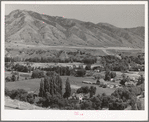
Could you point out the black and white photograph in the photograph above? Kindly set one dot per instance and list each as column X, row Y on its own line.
column 74, row 60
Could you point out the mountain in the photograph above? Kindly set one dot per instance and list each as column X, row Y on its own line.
column 31, row 28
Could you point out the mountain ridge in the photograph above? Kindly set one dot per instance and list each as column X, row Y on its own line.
column 32, row 28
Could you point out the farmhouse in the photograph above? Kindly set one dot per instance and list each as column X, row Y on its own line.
column 97, row 67
column 87, row 82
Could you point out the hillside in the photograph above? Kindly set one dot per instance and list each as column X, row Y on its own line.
column 11, row 104
column 31, row 28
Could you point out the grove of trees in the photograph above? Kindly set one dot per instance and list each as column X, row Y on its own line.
column 114, row 63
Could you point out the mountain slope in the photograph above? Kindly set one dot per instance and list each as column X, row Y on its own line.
column 31, row 28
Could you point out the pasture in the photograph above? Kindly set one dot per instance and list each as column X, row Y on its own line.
column 75, row 82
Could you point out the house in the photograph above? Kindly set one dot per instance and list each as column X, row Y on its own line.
column 87, row 82
column 130, row 83
column 97, row 67
column 80, row 96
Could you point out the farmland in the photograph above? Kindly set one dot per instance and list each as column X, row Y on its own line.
column 75, row 82
column 34, row 84
column 71, row 79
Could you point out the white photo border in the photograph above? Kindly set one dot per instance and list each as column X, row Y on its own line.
column 60, row 115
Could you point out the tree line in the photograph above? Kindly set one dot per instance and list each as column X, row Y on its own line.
column 124, row 63
column 86, row 60
column 50, row 95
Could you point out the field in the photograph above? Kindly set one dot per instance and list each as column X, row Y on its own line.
column 71, row 47
column 75, row 82
column 31, row 51
column 34, row 84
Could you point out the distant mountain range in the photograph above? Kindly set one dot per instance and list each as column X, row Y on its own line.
column 31, row 28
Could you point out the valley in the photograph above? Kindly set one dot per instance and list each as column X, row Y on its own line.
column 66, row 64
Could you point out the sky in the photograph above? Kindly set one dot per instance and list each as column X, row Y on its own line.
column 124, row 16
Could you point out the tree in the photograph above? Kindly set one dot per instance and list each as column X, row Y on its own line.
column 96, row 103
column 19, row 94
column 67, row 89
column 30, row 98
column 116, row 104
column 98, row 82
column 105, row 100
column 87, row 105
column 107, row 75
column 88, row 67
column 128, row 79
column 122, row 82
column 37, row 74
column 92, row 91
column 13, row 78
column 113, row 74
column 41, row 90
column 80, row 72
column 8, row 79
column 140, row 80
column 83, row 89
column 7, row 92
column 133, row 103
column 52, row 83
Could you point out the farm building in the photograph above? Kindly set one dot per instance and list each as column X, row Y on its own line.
column 87, row 82
column 97, row 67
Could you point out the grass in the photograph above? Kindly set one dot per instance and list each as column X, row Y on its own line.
column 75, row 82
column 34, row 84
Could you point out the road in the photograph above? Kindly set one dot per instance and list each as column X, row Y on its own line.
column 72, row 47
